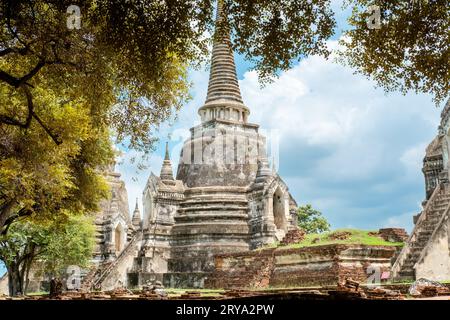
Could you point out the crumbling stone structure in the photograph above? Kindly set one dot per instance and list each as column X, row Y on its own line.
column 324, row 265
column 113, row 224
column 427, row 251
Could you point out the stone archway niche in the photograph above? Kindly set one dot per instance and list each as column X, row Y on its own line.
column 278, row 205
column 118, row 235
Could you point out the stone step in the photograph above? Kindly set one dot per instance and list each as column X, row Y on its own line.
column 200, row 217
column 442, row 205
column 429, row 220
column 442, row 196
column 428, row 230
column 417, row 246
column 208, row 208
column 408, row 265
column 425, row 221
column 407, row 274
column 433, row 217
column 434, row 213
column 431, row 223
column 213, row 199
column 414, row 256
column 421, row 241
column 423, row 238
column 426, row 233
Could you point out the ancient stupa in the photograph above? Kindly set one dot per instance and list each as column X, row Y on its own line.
column 224, row 198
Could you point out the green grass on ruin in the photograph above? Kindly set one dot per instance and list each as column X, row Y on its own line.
column 357, row 236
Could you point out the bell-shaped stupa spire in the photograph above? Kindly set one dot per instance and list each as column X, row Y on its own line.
column 223, row 100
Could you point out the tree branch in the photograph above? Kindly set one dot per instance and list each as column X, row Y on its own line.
column 55, row 137
column 30, row 106
column 17, row 82
column 21, row 51
column 31, row 114
column 24, row 212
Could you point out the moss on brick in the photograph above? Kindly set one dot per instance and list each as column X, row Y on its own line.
column 356, row 236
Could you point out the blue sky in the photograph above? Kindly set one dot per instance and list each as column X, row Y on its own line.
column 348, row 148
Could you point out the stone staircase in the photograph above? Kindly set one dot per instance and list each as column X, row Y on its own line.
column 95, row 277
column 88, row 279
column 403, row 268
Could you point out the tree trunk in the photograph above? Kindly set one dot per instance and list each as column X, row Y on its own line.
column 27, row 278
column 5, row 212
column 15, row 281
column 27, row 267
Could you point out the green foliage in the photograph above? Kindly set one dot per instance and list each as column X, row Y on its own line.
column 311, row 220
column 57, row 244
column 38, row 177
column 273, row 34
column 23, row 239
column 410, row 50
column 53, row 245
column 129, row 59
column 130, row 75
column 356, row 236
column 70, row 242
column 65, row 92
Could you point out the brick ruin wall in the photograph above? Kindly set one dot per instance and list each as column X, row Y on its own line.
column 310, row 266
column 393, row 234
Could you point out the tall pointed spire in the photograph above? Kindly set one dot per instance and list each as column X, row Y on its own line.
column 166, row 169
column 223, row 100
column 166, row 156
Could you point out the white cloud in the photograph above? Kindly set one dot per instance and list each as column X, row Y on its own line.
column 404, row 220
column 134, row 178
column 412, row 157
column 347, row 147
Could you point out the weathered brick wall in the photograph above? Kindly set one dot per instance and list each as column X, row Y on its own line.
column 293, row 236
column 393, row 234
column 310, row 266
column 305, row 267
column 252, row 269
column 361, row 262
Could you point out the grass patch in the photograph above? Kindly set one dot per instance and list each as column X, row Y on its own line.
column 355, row 236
